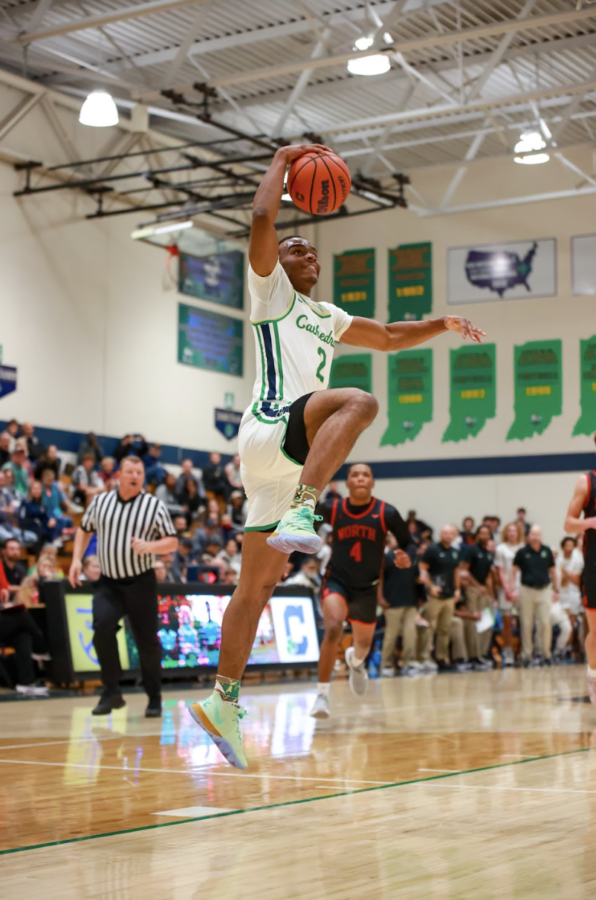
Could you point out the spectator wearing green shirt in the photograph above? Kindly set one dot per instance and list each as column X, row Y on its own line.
column 18, row 467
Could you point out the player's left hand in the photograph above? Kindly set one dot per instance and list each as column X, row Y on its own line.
column 140, row 546
column 402, row 560
column 465, row 328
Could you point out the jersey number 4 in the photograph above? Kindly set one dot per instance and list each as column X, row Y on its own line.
column 356, row 552
column 321, row 353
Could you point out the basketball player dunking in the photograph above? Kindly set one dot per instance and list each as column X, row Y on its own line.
column 350, row 589
column 584, row 500
column 296, row 434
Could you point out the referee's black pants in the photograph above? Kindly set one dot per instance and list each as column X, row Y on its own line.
column 137, row 599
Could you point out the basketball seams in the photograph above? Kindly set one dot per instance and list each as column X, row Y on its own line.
column 311, row 158
column 332, row 177
column 311, row 190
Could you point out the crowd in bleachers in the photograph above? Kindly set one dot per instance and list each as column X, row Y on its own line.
column 463, row 604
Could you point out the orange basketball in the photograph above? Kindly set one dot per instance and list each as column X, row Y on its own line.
column 319, row 182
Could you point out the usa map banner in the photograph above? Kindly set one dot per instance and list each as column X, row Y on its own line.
column 513, row 271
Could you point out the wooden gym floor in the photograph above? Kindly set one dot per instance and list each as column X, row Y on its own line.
column 454, row 786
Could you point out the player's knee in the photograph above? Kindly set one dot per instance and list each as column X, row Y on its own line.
column 333, row 630
column 366, row 405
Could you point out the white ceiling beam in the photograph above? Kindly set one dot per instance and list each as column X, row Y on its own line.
column 273, row 32
column 23, row 108
column 458, row 176
column 376, row 151
column 498, row 54
column 59, row 130
column 433, row 41
column 510, row 201
column 420, row 76
column 300, row 86
column 123, row 13
column 445, row 111
column 37, row 17
column 182, row 54
column 570, row 165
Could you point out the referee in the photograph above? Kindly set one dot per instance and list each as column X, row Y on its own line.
column 131, row 526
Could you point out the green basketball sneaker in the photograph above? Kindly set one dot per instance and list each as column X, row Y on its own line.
column 221, row 720
column 296, row 531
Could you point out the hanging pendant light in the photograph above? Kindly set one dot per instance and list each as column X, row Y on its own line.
column 99, row 110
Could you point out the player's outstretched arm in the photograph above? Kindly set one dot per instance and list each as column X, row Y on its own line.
column 401, row 335
column 573, row 523
column 263, row 248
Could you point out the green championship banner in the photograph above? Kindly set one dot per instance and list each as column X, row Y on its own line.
column 219, row 278
column 538, row 386
column 210, row 340
column 352, row 370
column 586, row 424
column 473, row 391
column 410, row 282
column 354, row 282
column 409, row 395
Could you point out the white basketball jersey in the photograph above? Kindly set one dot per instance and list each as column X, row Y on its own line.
column 294, row 341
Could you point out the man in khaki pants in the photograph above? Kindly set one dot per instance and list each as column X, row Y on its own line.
column 439, row 572
column 399, row 599
column 479, row 590
column 536, row 564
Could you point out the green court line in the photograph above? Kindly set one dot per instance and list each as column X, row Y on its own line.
column 236, row 812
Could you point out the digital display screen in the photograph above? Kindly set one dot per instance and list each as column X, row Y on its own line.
column 189, row 631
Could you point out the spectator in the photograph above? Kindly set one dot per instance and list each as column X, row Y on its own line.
column 421, row 526
column 90, row 444
column 55, row 504
column 48, row 460
column 154, row 472
column 214, row 477
column 324, row 554
column 333, row 493
column 399, row 599
column 33, row 515
column 14, row 567
column 5, row 440
column 237, row 508
column 570, row 565
column 212, row 510
column 91, row 568
column 10, row 495
column 203, row 535
column 131, row 445
column 17, row 466
column 35, row 448
column 307, row 576
column 107, row 472
column 227, row 528
column 13, row 430
column 521, row 517
column 512, row 539
column 439, row 572
column 233, row 474
column 182, row 559
column 478, row 562
column 186, row 472
column 18, row 630
column 166, row 493
column 536, row 564
column 86, row 482
column 231, row 556
column 167, row 559
column 181, row 526
column 230, row 576
column 467, row 532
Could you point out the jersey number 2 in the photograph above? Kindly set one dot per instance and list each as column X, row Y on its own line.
column 356, row 552
column 321, row 353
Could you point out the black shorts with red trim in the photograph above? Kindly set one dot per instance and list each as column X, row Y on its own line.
column 361, row 605
column 589, row 589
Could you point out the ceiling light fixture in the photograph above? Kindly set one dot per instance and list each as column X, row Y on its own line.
column 99, row 110
column 529, row 143
column 377, row 64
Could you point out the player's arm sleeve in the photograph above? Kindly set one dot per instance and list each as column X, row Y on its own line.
column 270, row 295
column 396, row 525
column 341, row 320
column 163, row 523
column 89, row 520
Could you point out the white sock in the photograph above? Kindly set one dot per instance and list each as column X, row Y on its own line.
column 323, row 688
column 357, row 662
column 591, row 672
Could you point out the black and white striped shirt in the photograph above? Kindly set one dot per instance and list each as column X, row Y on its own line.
column 117, row 521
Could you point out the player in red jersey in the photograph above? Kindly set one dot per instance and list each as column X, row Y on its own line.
column 350, row 589
column 584, row 501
